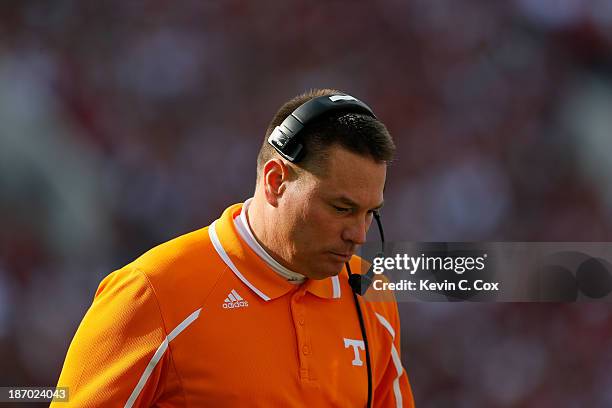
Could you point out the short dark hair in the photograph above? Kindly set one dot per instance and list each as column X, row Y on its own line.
column 355, row 132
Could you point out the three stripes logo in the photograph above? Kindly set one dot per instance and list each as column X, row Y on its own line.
column 234, row 300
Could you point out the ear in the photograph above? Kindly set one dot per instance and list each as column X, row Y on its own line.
column 275, row 178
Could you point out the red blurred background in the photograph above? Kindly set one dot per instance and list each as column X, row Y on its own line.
column 126, row 123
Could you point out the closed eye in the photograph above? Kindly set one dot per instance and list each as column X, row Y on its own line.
column 341, row 210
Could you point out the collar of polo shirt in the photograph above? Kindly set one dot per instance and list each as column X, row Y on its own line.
column 252, row 270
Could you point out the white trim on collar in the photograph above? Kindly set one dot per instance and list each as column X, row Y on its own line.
column 212, row 232
column 336, row 287
column 244, row 230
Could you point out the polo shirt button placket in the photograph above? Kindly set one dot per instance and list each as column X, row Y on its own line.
column 299, row 321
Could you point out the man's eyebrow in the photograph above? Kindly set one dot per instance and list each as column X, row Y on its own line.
column 351, row 203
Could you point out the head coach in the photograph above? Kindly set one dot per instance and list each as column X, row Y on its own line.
column 257, row 309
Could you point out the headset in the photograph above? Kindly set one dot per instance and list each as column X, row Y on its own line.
column 284, row 138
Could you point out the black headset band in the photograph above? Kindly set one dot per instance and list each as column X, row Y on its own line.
column 284, row 137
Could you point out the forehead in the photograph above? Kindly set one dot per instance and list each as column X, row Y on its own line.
column 358, row 178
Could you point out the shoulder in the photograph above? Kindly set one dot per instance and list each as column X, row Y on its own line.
column 178, row 274
column 181, row 261
column 183, row 251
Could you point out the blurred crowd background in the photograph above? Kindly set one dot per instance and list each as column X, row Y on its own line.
column 126, row 123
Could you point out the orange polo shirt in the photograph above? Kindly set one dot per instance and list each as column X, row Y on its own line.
column 203, row 321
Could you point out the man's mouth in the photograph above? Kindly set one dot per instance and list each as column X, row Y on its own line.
column 343, row 256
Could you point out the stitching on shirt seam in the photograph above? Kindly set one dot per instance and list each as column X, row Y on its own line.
column 152, row 288
column 203, row 303
column 178, row 375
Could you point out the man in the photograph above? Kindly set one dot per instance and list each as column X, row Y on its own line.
column 256, row 309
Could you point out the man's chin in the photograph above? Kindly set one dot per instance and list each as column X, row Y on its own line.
column 327, row 273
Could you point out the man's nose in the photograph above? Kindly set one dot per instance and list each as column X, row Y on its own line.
column 356, row 231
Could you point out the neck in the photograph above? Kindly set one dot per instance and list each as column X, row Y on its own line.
column 263, row 222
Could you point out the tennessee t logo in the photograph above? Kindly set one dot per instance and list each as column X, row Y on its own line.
column 357, row 345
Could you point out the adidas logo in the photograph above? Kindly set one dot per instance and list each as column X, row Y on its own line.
column 234, row 300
